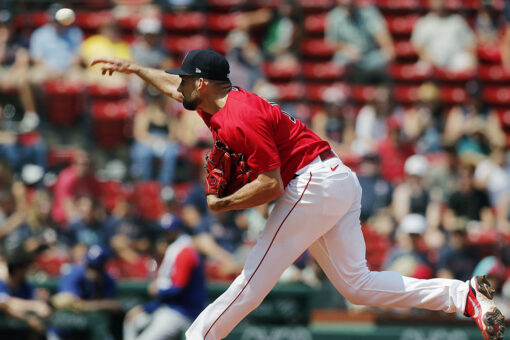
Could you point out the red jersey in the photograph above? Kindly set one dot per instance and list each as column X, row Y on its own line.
column 267, row 136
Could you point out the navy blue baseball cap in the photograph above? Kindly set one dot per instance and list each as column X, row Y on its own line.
column 97, row 256
column 169, row 222
column 207, row 64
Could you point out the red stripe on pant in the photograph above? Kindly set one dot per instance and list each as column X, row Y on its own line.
column 263, row 257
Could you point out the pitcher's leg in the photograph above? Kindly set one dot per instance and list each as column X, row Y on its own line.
column 289, row 231
column 341, row 254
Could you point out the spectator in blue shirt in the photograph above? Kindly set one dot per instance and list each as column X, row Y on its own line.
column 54, row 49
column 17, row 296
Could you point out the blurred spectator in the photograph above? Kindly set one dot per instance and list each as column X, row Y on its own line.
column 371, row 126
column 86, row 224
column 486, row 25
column 108, row 42
column 15, row 63
column 18, row 299
column 361, row 40
column 407, row 256
column 425, row 120
column 444, row 40
column 457, row 258
column 393, row 151
column 12, row 212
column 377, row 191
column 179, row 290
column 471, row 127
column 335, row 122
column 468, row 202
column 78, row 179
column 54, row 49
column 412, row 196
column 154, row 134
column 490, row 175
column 505, row 40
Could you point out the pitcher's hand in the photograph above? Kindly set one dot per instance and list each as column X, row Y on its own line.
column 111, row 64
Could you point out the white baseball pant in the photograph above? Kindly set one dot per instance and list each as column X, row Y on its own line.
column 319, row 211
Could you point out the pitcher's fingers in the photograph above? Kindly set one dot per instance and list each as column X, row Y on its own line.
column 100, row 60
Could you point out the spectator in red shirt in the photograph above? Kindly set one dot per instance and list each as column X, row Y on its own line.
column 76, row 180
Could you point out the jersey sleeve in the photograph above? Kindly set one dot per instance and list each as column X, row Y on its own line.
column 70, row 283
column 184, row 264
column 262, row 152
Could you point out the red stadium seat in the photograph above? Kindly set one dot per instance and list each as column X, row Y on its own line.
column 110, row 122
column 224, row 4
column 97, row 91
column 453, row 95
column 32, row 19
column 317, row 47
column 401, row 5
column 402, row 25
column 323, row 70
column 182, row 44
column 490, row 54
column 291, row 91
column 129, row 22
column 405, row 50
column 497, row 95
column 315, row 23
column 409, row 72
column 448, row 76
column 278, row 71
column 363, row 93
column 187, row 21
column 64, row 101
column 93, row 20
column 504, row 117
column 377, row 247
column 219, row 44
column 147, row 200
column 316, row 5
column 405, row 94
column 494, row 73
column 223, row 22
column 328, row 93
column 61, row 156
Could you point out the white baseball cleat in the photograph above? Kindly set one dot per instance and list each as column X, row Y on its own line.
column 480, row 307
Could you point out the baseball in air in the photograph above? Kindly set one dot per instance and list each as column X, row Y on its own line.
column 65, row 16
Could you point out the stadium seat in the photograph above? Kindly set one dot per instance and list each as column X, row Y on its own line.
column 183, row 43
column 109, row 122
column 363, row 93
column 316, row 5
column 405, row 50
column 291, row 91
column 497, row 95
column 222, row 22
column 64, row 101
column 328, row 93
column 377, row 247
column 323, row 70
column 409, row 72
column 93, row 20
column 494, row 73
column 219, row 44
column 443, row 75
column 317, row 47
column 61, row 156
column 31, row 19
column 224, row 4
column 401, row 25
column 111, row 193
column 489, row 54
column 100, row 92
column 186, row 21
column 129, row 22
column 315, row 23
column 405, row 94
column 453, row 95
column 147, row 200
column 504, row 117
column 278, row 71
column 399, row 5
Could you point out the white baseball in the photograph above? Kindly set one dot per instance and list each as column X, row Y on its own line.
column 65, row 16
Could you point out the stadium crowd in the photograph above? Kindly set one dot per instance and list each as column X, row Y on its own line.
column 412, row 94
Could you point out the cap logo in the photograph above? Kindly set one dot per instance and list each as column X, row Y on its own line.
column 197, row 70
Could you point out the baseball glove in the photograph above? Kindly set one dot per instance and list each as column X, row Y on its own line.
column 227, row 171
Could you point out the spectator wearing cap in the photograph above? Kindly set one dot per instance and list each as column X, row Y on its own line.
column 54, row 50
column 457, row 259
column 108, row 41
column 376, row 190
column 88, row 286
column 179, row 289
column 408, row 256
column 18, row 299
